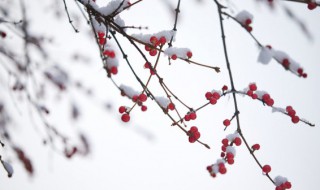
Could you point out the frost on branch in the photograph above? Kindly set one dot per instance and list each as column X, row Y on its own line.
column 7, row 166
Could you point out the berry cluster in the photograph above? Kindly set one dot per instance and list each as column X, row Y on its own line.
column 193, row 134
column 282, row 183
column 213, row 96
column 190, row 116
column 102, row 38
column 245, row 19
column 263, row 96
column 218, row 167
column 155, row 42
column 292, row 113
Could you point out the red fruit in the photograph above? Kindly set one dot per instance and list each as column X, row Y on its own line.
column 237, row 141
column 192, row 139
column 312, row 5
column 287, row 185
column 222, row 155
column 208, row 95
column 114, row 70
column 270, row 102
column 254, row 96
column 112, row 54
column 249, row 93
column 216, row 95
column 226, row 122
column 144, row 108
column 143, row 97
column 213, row 101
column 147, row 48
column 3, row 34
column 193, row 115
column 147, row 65
column 153, row 40
column 300, row 71
column 102, row 41
column 101, row 34
column 162, row 40
column 295, row 119
column 248, row 28
column 230, row 161
column 230, row 155
column 248, row 21
column 125, row 117
column 285, row 62
column 304, row 75
column 153, row 52
column 122, row 109
column 193, row 129
column 253, row 87
column 209, row 168
column 225, row 142
column 187, row 117
column 223, row 170
column 171, row 106
column 266, row 169
column 189, row 54
column 289, row 108
column 255, row 147
column 174, row 57
column 223, row 148
column 224, row 88
column 265, row 97
column 135, row 98
column 291, row 113
column 196, row 135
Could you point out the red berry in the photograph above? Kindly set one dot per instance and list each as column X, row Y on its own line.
column 249, row 93
column 289, row 108
column 187, row 117
column 209, row 168
column 248, row 21
column 223, row 170
column 101, row 34
column 230, row 161
column 312, row 5
column 254, row 96
column 253, row 87
column 224, row 88
column 213, row 101
column 153, row 40
column 300, row 71
column 265, row 97
column 174, row 57
column 291, row 113
column 189, row 54
column 222, row 155
column 171, row 106
column 266, row 169
column 196, row 135
column 153, row 52
column 193, row 115
column 135, row 98
column 295, row 119
column 270, row 102
column 223, row 148
column 162, row 40
column 112, row 54
column 237, row 141
column 147, row 65
column 192, row 139
column 114, row 70
column 122, row 109
column 287, row 185
column 230, row 155
column 208, row 95
column 193, row 129
column 102, row 41
column 226, row 122
column 216, row 95
column 143, row 97
column 248, row 28
column 3, row 34
column 225, row 142
column 125, row 117
column 255, row 147
column 285, row 62
column 144, row 108
column 147, row 48
column 304, row 75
